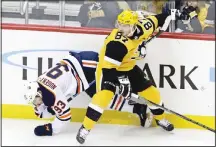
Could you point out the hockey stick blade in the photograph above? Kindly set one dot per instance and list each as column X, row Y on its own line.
column 141, row 100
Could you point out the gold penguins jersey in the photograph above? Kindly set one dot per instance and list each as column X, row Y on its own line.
column 120, row 52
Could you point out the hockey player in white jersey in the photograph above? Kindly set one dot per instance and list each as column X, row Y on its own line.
column 52, row 92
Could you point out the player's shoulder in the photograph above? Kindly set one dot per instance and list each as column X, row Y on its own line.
column 149, row 19
column 145, row 20
column 114, row 48
column 115, row 42
column 116, row 37
column 48, row 93
column 112, row 35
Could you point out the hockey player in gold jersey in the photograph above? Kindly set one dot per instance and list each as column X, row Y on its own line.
column 117, row 67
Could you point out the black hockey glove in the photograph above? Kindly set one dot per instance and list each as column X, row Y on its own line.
column 142, row 50
column 188, row 12
column 44, row 130
column 124, row 87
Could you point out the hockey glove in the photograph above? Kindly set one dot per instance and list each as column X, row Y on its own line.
column 44, row 130
column 124, row 87
column 142, row 50
column 188, row 13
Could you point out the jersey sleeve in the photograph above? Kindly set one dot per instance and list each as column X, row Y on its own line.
column 158, row 20
column 62, row 110
column 147, row 25
column 61, row 107
column 115, row 52
column 154, row 22
column 151, row 23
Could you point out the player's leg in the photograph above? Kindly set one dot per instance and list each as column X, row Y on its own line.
column 100, row 101
column 91, row 90
column 143, row 112
column 120, row 104
column 145, row 89
column 88, row 60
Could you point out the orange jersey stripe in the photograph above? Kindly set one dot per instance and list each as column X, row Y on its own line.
column 78, row 83
column 77, row 78
column 63, row 62
column 66, row 115
column 86, row 63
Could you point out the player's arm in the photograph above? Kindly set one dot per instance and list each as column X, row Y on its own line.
column 56, row 102
column 59, row 106
column 62, row 112
column 148, row 26
column 156, row 21
column 91, row 89
column 48, row 97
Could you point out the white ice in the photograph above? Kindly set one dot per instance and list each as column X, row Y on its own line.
column 20, row 132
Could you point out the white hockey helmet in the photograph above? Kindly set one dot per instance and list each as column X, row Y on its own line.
column 31, row 93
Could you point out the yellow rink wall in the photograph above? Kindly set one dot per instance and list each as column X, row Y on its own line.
column 109, row 117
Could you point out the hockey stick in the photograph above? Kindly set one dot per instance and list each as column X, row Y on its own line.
column 141, row 100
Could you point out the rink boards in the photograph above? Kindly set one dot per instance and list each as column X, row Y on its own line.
column 181, row 65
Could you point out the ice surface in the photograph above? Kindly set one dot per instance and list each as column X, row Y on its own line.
column 20, row 132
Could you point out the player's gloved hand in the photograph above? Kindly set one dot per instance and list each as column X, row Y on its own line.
column 142, row 50
column 188, row 12
column 125, row 87
column 44, row 130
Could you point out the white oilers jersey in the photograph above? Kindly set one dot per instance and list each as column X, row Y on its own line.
column 67, row 76
column 55, row 85
column 58, row 80
column 62, row 82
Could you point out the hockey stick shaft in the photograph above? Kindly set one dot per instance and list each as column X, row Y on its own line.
column 155, row 36
column 143, row 101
